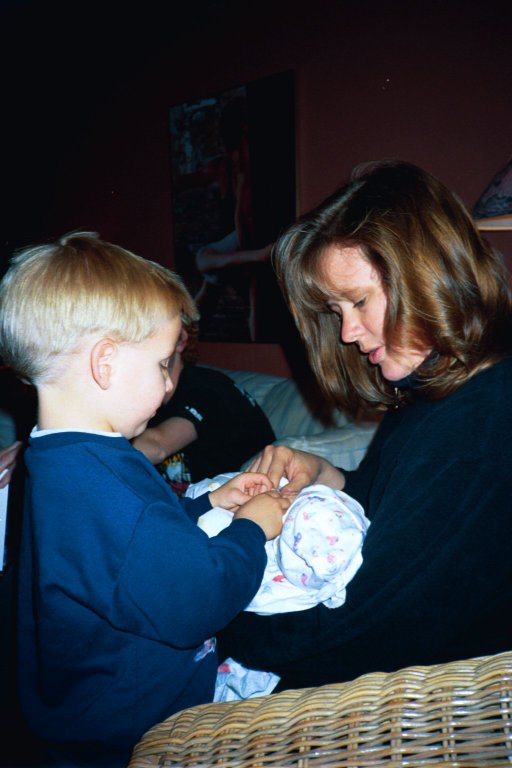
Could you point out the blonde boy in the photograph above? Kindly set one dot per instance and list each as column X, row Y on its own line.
column 120, row 592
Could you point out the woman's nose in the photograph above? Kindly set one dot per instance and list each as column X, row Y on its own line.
column 349, row 328
column 169, row 386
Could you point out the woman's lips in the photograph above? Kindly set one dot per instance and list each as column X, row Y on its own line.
column 376, row 355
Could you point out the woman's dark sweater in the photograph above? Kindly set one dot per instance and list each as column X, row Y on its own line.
column 436, row 579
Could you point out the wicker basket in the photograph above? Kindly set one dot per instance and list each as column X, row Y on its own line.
column 456, row 714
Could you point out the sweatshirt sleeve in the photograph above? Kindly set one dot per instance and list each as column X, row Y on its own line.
column 125, row 547
column 179, row 586
column 194, row 508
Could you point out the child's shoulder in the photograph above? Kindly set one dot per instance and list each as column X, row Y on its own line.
column 68, row 453
column 69, row 441
column 96, row 464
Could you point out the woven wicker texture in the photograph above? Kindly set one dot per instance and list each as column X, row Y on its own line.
column 457, row 714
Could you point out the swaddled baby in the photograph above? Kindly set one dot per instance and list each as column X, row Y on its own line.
column 316, row 554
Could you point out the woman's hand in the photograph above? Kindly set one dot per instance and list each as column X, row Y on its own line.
column 299, row 467
column 8, row 458
column 239, row 490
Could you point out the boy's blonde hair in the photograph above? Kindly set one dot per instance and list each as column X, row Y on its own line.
column 53, row 296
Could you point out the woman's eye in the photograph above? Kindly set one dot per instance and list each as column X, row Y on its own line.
column 168, row 364
column 335, row 311
column 360, row 303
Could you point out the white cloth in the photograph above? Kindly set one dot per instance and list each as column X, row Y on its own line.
column 311, row 561
column 317, row 553
column 235, row 682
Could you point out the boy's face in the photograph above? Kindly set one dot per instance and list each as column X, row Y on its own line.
column 142, row 378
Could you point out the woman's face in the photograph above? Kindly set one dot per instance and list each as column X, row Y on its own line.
column 356, row 295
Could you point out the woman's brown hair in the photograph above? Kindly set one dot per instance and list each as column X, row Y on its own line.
column 445, row 285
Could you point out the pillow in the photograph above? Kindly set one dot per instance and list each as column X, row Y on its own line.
column 259, row 385
column 292, row 409
column 342, row 446
column 301, row 420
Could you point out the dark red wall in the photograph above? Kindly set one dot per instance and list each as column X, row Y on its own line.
column 425, row 81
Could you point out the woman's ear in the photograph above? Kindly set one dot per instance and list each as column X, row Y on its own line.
column 102, row 358
column 182, row 340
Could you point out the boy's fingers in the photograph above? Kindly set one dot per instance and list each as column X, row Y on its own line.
column 256, row 482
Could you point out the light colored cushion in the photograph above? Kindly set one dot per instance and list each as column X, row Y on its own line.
column 342, row 446
column 300, row 419
column 290, row 409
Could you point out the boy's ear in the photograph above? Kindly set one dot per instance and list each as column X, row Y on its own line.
column 102, row 355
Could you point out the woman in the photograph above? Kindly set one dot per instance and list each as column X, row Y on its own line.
column 403, row 307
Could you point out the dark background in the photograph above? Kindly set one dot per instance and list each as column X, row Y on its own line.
column 87, row 87
column 203, row 134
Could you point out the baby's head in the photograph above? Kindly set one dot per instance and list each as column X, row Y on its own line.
column 56, row 296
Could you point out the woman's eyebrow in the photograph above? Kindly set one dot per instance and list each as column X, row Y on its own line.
column 350, row 294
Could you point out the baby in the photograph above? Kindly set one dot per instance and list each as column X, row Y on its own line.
column 316, row 555
column 312, row 560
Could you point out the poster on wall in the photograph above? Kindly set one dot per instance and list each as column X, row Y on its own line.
column 233, row 192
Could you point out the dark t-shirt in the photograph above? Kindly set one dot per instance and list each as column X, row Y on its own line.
column 230, row 425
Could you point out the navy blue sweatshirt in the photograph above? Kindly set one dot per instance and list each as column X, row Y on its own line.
column 436, row 580
column 118, row 590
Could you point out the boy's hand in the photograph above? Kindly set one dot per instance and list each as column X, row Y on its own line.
column 267, row 510
column 239, row 490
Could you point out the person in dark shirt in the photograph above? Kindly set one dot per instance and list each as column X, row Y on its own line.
column 405, row 308
column 207, row 426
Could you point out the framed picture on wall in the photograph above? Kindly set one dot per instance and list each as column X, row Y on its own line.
column 233, row 191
